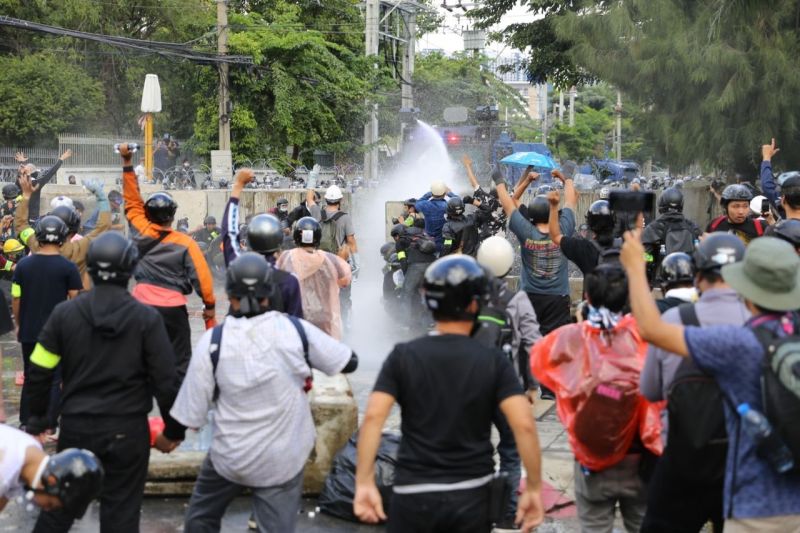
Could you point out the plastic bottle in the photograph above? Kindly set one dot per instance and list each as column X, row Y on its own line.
column 663, row 251
column 768, row 443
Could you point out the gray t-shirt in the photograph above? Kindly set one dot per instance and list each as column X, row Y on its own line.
column 544, row 267
column 343, row 225
column 262, row 426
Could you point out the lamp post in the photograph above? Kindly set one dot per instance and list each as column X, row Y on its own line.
column 151, row 103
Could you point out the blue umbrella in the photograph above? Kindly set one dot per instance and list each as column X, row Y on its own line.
column 534, row 159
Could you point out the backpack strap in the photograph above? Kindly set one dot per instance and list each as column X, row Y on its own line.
column 214, row 348
column 688, row 314
column 716, row 222
column 759, row 226
column 147, row 248
column 303, row 338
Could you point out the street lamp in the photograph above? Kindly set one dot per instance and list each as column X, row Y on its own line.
column 151, row 103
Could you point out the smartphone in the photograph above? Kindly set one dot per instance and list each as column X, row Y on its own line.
column 764, row 206
column 133, row 147
column 632, row 201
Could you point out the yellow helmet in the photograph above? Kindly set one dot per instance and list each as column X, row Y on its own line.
column 12, row 246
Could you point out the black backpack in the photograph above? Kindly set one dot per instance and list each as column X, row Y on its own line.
column 679, row 237
column 697, row 440
column 494, row 327
column 609, row 254
column 780, row 383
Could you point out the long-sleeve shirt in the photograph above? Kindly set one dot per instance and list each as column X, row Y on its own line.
column 768, row 187
column 715, row 307
column 36, row 198
column 289, row 285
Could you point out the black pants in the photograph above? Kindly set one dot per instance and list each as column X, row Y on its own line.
column 123, row 446
column 54, row 403
column 679, row 505
column 176, row 320
column 418, row 316
column 552, row 311
column 464, row 511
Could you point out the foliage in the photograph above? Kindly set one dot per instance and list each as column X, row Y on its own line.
column 43, row 96
column 717, row 79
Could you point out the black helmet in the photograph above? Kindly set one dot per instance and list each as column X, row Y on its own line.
column 543, row 190
column 397, row 230
column 671, row 201
column 734, row 193
column 70, row 217
column 599, row 218
column 716, row 251
column 452, row 283
column 677, row 268
column 51, row 230
column 387, row 249
column 210, row 220
column 539, row 209
column 10, row 191
column 455, row 206
column 264, row 234
column 249, row 278
column 75, row 477
column 160, row 208
column 789, row 231
column 411, row 202
column 111, row 258
column 307, row 232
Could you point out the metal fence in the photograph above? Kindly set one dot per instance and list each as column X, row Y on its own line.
column 91, row 151
column 42, row 157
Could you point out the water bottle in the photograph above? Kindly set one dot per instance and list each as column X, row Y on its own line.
column 768, row 443
column 663, row 251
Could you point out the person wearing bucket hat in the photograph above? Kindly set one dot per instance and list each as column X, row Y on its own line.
column 756, row 497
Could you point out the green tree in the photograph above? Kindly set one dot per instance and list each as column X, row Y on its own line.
column 42, row 96
column 717, row 79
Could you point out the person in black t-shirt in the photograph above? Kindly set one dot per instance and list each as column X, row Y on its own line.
column 585, row 253
column 735, row 201
column 41, row 281
column 448, row 387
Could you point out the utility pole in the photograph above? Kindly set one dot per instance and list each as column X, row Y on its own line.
column 618, row 112
column 572, row 107
column 222, row 159
column 371, row 127
column 560, row 107
column 544, row 109
column 407, row 90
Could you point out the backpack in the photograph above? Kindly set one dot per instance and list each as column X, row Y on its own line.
column 608, row 254
column 328, row 240
column 697, row 440
column 780, row 382
column 216, row 344
column 679, row 237
column 424, row 243
column 493, row 326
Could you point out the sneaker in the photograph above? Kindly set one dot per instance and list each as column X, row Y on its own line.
column 546, row 394
column 19, row 379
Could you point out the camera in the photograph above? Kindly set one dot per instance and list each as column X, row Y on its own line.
column 132, row 147
column 35, row 176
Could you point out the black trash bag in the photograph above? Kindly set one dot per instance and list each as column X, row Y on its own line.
column 340, row 486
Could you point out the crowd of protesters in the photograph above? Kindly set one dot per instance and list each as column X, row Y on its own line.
column 680, row 411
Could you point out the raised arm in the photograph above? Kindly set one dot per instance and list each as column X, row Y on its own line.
column 230, row 219
column 465, row 159
column 523, row 184
column 502, row 193
column 554, row 228
column 570, row 194
column 768, row 151
column 134, row 205
column 25, row 232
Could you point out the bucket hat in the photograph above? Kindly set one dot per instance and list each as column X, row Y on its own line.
column 768, row 276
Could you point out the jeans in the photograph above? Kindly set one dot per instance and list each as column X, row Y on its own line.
column 176, row 320
column 123, row 446
column 509, row 462
column 275, row 508
column 464, row 511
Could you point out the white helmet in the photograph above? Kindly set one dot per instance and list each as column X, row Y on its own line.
column 438, row 188
column 496, row 254
column 333, row 194
column 755, row 204
column 58, row 201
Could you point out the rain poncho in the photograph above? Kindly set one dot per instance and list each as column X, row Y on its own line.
column 595, row 375
column 321, row 274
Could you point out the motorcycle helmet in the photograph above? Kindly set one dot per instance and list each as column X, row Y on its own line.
column 160, row 208
column 265, row 234
column 455, row 207
column 111, row 258
column 716, row 251
column 451, row 284
column 51, row 230
column 676, row 269
column 75, row 477
column 10, row 191
column 307, row 232
column 249, row 279
column 497, row 255
column 70, row 217
column 539, row 210
column 670, row 201
column 599, row 218
column 789, row 231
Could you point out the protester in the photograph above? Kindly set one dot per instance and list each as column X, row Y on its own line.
column 460, row 231
column 261, row 441
column 756, row 497
column 263, row 235
column 433, row 206
column 593, row 367
column 170, row 265
column 209, row 232
column 409, row 215
column 445, row 460
column 70, row 479
column 514, row 308
column 735, row 202
column 495, row 223
column 415, row 251
column 787, row 230
column 676, row 277
column 321, row 275
column 586, row 253
column 40, row 282
column 686, row 489
column 38, row 179
column 671, row 230
column 788, row 201
column 107, row 390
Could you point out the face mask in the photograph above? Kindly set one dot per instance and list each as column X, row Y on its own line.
column 283, row 208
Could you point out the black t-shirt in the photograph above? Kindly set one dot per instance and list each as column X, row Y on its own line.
column 582, row 252
column 746, row 231
column 448, row 388
column 41, row 282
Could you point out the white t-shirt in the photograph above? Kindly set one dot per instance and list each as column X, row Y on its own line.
column 13, row 445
